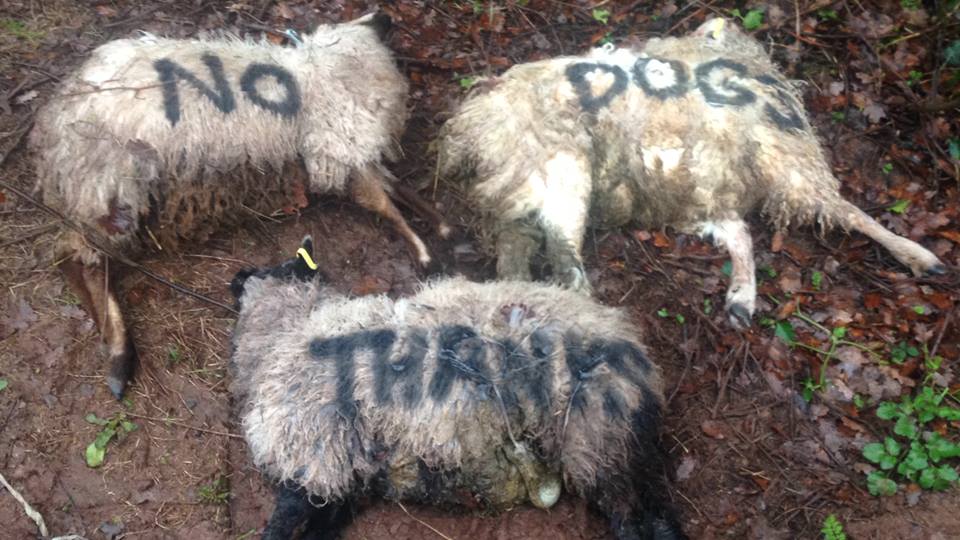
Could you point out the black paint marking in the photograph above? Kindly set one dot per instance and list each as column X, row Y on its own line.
column 342, row 350
column 460, row 355
column 290, row 105
column 540, row 376
column 169, row 71
column 530, row 375
column 680, row 79
column 791, row 120
column 406, row 372
column 713, row 96
column 622, row 357
column 577, row 75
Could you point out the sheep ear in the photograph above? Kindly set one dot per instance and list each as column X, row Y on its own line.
column 305, row 265
column 239, row 280
column 380, row 22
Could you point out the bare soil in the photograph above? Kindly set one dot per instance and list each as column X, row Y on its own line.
column 751, row 458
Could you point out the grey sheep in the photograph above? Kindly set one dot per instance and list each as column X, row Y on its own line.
column 164, row 139
column 497, row 393
column 691, row 132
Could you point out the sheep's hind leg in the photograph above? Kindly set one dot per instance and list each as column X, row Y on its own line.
column 91, row 285
column 564, row 215
column 369, row 191
column 742, row 293
column 911, row 254
column 412, row 200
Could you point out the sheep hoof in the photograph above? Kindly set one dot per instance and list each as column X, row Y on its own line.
column 938, row 269
column 740, row 317
column 122, row 367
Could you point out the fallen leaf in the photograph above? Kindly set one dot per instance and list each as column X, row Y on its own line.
column 777, row 242
column 660, row 240
column 687, row 464
column 712, row 429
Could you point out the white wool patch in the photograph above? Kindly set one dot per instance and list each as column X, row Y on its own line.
column 660, row 74
column 112, row 58
column 566, row 187
column 668, row 158
column 622, row 58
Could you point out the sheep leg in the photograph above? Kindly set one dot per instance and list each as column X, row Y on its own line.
column 564, row 214
column 914, row 256
column 416, row 203
column 91, row 285
column 742, row 293
column 368, row 190
column 293, row 510
column 517, row 242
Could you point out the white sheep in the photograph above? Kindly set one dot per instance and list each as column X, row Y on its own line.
column 190, row 133
column 690, row 132
column 502, row 391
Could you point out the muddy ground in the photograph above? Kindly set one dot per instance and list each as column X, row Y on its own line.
column 751, row 458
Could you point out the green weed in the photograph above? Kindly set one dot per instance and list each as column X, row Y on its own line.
column 216, row 492
column 118, row 426
column 915, row 454
column 19, row 30
column 752, row 20
column 833, row 529
column 601, row 15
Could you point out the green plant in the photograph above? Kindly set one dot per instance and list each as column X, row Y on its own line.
column 601, row 15
column 838, row 116
column 900, row 352
column 910, row 4
column 785, row 332
column 833, row 529
column 827, row 14
column 4, row 384
column 216, row 492
column 118, row 427
column 664, row 313
column 901, row 205
column 18, row 29
column 914, row 77
column 951, row 54
column 953, row 145
column 816, row 280
column 752, row 20
column 887, row 168
column 915, row 454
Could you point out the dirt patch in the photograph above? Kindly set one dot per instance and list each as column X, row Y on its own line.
column 751, row 457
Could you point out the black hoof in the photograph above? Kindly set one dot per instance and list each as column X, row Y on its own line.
column 937, row 270
column 739, row 316
column 122, row 368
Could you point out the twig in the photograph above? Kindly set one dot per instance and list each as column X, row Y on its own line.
column 186, row 426
column 35, row 232
column 31, row 513
column 422, row 522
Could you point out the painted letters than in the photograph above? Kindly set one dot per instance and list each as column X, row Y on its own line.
column 577, row 75
column 728, row 92
column 661, row 78
column 290, row 105
column 169, row 71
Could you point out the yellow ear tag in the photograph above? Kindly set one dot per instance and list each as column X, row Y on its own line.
column 302, row 253
column 718, row 25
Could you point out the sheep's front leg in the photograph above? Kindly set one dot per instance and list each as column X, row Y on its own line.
column 517, row 242
column 293, row 511
column 563, row 216
column 91, row 286
column 368, row 190
column 742, row 293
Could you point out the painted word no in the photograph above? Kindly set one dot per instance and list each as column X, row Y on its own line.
column 169, row 73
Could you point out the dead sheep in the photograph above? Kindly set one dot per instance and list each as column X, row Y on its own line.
column 464, row 393
column 691, row 132
column 158, row 140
